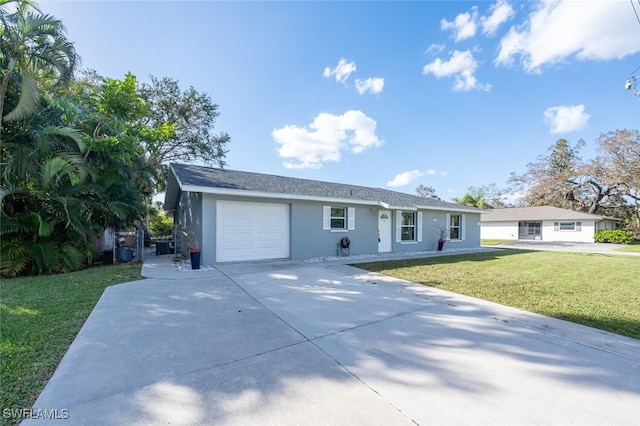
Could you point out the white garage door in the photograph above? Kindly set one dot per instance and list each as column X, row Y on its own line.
column 251, row 231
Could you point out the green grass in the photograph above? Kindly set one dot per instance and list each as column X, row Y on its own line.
column 494, row 242
column 40, row 317
column 634, row 246
column 600, row 291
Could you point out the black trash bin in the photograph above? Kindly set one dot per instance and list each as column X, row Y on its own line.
column 164, row 247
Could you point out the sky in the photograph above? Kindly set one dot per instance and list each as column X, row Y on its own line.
column 447, row 94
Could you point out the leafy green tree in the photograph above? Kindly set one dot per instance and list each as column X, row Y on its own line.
column 43, row 226
column 33, row 49
column 109, row 112
column 471, row 200
column 619, row 161
column 553, row 180
column 160, row 223
column 561, row 179
column 79, row 159
column 183, row 124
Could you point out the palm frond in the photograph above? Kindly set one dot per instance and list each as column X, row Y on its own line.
column 71, row 258
column 14, row 259
column 14, row 226
column 45, row 258
column 55, row 169
column 28, row 101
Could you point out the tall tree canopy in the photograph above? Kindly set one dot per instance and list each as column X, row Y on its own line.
column 33, row 50
column 484, row 197
column 80, row 155
column 426, row 192
column 608, row 184
column 619, row 164
column 552, row 180
column 188, row 119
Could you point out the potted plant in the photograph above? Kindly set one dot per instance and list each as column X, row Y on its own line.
column 194, row 254
column 442, row 239
column 191, row 245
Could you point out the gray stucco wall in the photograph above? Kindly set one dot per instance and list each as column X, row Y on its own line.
column 309, row 240
column 432, row 222
column 189, row 215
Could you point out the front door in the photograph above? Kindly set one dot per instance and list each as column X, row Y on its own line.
column 529, row 230
column 384, row 231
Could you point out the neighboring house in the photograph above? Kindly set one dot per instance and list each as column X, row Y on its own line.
column 542, row 223
column 240, row 216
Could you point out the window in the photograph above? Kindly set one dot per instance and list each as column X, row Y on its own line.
column 338, row 218
column 455, row 227
column 567, row 226
column 408, row 228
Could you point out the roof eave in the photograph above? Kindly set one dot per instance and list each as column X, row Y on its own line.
column 273, row 195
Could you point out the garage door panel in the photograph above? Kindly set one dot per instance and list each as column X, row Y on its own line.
column 251, row 231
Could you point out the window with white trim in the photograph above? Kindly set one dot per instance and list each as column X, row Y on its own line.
column 338, row 218
column 567, row 226
column 335, row 218
column 408, row 227
column 455, row 227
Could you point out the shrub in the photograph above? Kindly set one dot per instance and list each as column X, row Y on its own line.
column 617, row 236
column 161, row 224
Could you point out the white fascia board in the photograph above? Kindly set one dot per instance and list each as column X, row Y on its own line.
column 454, row 209
column 273, row 195
column 388, row 206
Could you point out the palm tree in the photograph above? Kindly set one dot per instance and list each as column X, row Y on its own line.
column 43, row 220
column 33, row 47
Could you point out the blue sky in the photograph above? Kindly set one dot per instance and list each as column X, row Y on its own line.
column 383, row 94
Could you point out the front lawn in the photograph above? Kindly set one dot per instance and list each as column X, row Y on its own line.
column 40, row 317
column 597, row 290
column 633, row 246
column 487, row 242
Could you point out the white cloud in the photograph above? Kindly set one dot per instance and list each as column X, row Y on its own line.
column 434, row 49
column 431, row 172
column 501, row 12
column 565, row 119
column 559, row 29
column 405, row 178
column 342, row 71
column 372, row 85
column 461, row 65
column 464, row 26
column 325, row 139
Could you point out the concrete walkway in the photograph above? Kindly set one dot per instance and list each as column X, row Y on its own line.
column 324, row 343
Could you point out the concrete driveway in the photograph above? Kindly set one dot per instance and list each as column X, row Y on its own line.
column 324, row 343
column 601, row 248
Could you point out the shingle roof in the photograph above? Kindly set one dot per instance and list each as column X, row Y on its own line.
column 212, row 180
column 536, row 213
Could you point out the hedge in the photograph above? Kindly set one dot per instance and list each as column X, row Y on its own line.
column 616, row 236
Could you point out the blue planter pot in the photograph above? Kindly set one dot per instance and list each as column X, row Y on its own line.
column 440, row 244
column 195, row 260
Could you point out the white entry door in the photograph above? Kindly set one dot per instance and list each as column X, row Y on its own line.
column 384, row 231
